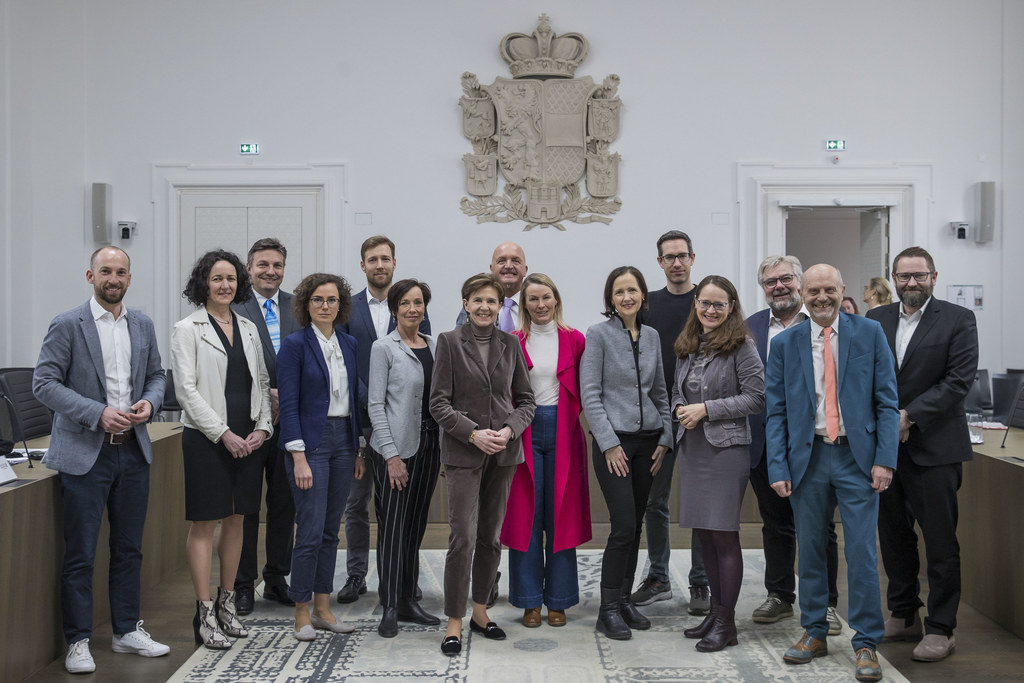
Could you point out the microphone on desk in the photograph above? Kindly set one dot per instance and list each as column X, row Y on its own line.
column 11, row 414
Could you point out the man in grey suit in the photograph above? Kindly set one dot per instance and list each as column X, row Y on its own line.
column 99, row 372
column 369, row 321
column 271, row 310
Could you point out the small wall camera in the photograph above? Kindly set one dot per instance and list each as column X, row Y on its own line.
column 126, row 229
column 960, row 230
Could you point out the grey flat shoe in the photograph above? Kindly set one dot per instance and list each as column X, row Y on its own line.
column 305, row 634
column 339, row 627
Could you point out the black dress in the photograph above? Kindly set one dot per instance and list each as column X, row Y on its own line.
column 218, row 485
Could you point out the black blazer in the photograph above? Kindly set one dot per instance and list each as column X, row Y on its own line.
column 252, row 310
column 937, row 372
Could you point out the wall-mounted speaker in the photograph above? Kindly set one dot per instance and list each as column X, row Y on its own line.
column 986, row 202
column 102, row 204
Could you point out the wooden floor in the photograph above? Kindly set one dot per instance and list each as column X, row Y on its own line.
column 985, row 652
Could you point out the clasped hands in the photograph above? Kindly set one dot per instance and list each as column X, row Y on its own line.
column 116, row 421
column 239, row 447
column 490, row 441
column 691, row 414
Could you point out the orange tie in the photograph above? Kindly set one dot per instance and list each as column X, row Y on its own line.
column 831, row 398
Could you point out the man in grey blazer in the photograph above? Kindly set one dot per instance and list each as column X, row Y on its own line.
column 271, row 310
column 99, row 372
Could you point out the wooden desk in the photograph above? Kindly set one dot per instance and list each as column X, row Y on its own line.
column 991, row 530
column 31, row 533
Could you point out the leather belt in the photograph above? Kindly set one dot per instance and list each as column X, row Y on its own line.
column 839, row 441
column 120, row 439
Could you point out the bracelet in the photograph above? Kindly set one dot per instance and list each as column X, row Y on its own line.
column 472, row 435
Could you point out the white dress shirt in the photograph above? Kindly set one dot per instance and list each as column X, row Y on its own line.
column 117, row 355
column 262, row 301
column 775, row 326
column 818, row 357
column 905, row 330
column 379, row 313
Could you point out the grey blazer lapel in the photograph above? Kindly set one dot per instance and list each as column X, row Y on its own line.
column 138, row 363
column 92, row 342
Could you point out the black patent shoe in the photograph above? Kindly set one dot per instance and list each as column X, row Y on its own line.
column 388, row 627
column 631, row 615
column 244, row 599
column 277, row 593
column 410, row 610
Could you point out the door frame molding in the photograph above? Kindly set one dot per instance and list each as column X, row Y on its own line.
column 169, row 180
column 764, row 190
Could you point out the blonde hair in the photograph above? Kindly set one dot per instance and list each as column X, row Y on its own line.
column 883, row 292
column 524, row 317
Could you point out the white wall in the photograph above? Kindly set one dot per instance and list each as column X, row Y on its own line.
column 99, row 90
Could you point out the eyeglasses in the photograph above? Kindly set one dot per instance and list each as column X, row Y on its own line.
column 905, row 277
column 319, row 301
column 719, row 306
column 669, row 259
column 770, row 283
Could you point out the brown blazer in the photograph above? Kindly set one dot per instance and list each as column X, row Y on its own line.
column 465, row 396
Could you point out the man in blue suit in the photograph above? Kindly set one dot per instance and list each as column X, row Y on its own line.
column 370, row 320
column 99, row 372
column 833, row 429
column 781, row 280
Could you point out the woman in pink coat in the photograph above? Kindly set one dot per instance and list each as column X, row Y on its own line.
column 548, row 512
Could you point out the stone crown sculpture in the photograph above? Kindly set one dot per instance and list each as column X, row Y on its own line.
column 544, row 53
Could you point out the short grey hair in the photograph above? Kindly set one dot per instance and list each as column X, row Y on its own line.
column 772, row 261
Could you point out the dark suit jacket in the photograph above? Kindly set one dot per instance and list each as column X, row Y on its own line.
column 937, row 372
column 758, row 324
column 360, row 326
column 466, row 396
column 71, row 380
column 304, row 386
column 252, row 310
column 866, row 384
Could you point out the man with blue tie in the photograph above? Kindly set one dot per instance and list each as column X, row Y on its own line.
column 369, row 321
column 99, row 372
column 833, row 429
column 271, row 310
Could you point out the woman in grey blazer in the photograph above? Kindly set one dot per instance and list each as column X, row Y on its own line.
column 719, row 382
column 404, row 459
column 622, row 381
column 483, row 401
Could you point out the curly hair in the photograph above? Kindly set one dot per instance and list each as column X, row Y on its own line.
column 726, row 337
column 304, row 292
column 609, row 308
column 401, row 288
column 197, row 289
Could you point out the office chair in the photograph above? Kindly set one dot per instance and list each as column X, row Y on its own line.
column 1016, row 417
column 1004, row 392
column 30, row 419
column 979, row 397
column 170, row 411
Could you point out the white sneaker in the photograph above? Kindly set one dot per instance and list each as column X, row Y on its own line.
column 138, row 642
column 79, row 659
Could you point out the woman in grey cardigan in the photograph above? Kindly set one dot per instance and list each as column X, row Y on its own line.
column 626, row 404
column 405, row 457
column 719, row 381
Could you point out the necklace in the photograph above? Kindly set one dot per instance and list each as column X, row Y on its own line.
column 222, row 322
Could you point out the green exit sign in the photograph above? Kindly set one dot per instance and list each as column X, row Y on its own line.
column 835, row 145
column 248, row 148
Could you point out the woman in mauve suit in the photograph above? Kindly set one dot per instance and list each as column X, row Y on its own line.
column 481, row 398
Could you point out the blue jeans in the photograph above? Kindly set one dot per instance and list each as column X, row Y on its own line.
column 318, row 510
column 119, row 481
column 659, row 544
column 540, row 574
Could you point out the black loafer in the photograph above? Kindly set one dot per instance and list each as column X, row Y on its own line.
column 244, row 598
column 410, row 610
column 451, row 646
column 388, row 627
column 492, row 631
column 278, row 593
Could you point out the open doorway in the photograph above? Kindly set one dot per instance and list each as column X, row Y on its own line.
column 854, row 239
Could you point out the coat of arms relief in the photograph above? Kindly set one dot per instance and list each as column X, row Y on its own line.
column 543, row 131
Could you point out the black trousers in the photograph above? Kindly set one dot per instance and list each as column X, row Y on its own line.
column 626, row 498
column 778, row 533
column 402, row 518
column 926, row 495
column 280, row 533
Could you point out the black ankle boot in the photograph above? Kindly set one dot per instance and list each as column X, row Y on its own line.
column 609, row 618
column 701, row 629
column 722, row 633
column 631, row 615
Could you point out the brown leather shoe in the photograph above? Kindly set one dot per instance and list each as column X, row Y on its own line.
column 556, row 617
column 868, row 668
column 806, row 649
column 531, row 617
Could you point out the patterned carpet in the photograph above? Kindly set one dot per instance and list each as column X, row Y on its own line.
column 574, row 653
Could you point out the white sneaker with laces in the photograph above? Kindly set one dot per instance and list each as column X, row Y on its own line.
column 138, row 642
column 79, row 659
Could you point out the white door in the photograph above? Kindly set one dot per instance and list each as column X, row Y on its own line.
column 232, row 218
column 874, row 243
